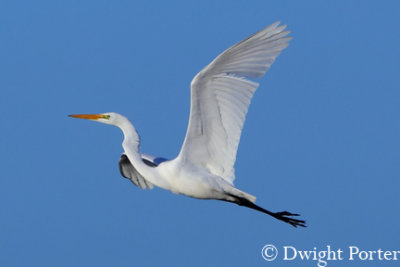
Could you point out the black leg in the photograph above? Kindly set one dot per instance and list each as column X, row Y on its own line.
column 284, row 216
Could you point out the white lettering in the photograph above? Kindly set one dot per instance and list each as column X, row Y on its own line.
column 352, row 249
column 321, row 257
column 340, row 257
column 294, row 253
column 380, row 254
column 363, row 255
column 395, row 255
column 307, row 254
column 330, row 253
column 387, row 254
column 326, row 255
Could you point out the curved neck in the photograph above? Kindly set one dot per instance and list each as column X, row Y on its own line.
column 131, row 145
column 130, row 135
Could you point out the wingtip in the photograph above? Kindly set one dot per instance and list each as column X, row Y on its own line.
column 274, row 29
column 275, row 24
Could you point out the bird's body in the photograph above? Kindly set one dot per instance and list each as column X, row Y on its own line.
column 220, row 96
column 186, row 179
column 178, row 175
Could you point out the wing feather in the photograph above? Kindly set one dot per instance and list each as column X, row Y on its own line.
column 220, row 97
column 128, row 171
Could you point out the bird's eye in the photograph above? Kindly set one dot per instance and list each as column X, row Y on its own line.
column 106, row 117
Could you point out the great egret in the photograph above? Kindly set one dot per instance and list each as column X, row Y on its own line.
column 220, row 96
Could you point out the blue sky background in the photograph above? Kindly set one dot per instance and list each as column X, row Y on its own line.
column 321, row 137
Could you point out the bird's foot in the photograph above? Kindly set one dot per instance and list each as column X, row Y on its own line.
column 285, row 216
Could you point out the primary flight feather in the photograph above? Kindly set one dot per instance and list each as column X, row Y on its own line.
column 220, row 97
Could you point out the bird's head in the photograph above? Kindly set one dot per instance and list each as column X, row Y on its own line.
column 115, row 119
column 107, row 118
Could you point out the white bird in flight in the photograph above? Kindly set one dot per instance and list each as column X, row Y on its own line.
column 220, row 97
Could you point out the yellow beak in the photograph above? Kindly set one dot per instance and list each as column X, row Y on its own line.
column 88, row 116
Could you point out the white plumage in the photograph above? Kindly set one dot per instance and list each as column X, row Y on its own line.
column 220, row 97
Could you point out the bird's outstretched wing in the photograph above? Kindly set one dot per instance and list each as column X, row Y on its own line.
column 128, row 170
column 220, row 97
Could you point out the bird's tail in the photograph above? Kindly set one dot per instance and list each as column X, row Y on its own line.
column 234, row 192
